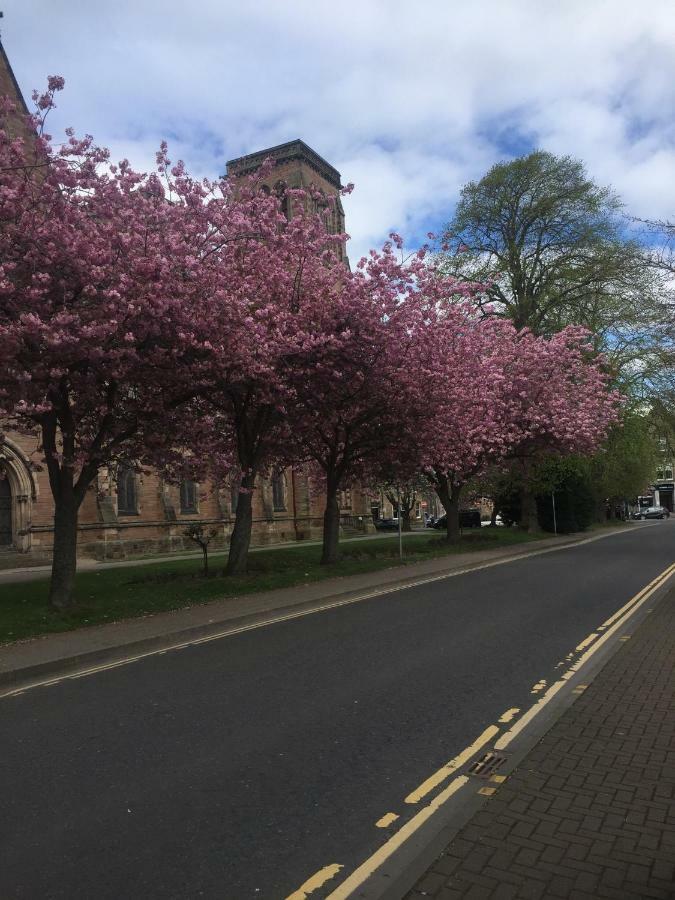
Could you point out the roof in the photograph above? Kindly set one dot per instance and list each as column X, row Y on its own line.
column 291, row 150
column 4, row 63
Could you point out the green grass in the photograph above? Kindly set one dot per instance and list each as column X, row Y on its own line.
column 127, row 591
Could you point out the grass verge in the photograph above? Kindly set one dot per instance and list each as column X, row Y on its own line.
column 127, row 591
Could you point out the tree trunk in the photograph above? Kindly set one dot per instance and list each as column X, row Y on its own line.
column 64, row 560
column 205, row 552
column 452, row 522
column 404, row 512
column 331, row 527
column 449, row 495
column 240, row 541
column 529, row 519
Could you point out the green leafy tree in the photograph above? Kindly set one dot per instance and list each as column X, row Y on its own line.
column 592, row 487
column 628, row 461
column 549, row 246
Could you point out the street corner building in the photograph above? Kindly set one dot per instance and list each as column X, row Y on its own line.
column 128, row 512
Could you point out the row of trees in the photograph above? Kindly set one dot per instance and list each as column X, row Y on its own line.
column 553, row 248
column 192, row 326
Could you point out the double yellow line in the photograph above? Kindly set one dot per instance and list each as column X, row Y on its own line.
column 590, row 645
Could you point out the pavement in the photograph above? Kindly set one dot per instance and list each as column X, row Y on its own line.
column 590, row 811
column 62, row 652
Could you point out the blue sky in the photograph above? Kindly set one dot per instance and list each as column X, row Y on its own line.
column 408, row 101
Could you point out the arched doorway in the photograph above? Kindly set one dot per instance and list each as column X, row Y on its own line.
column 5, row 512
column 18, row 493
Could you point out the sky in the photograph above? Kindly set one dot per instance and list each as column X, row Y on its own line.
column 408, row 101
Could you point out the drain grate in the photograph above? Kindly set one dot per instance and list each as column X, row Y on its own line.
column 487, row 765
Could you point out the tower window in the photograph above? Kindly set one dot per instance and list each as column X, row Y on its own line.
column 127, row 495
column 188, row 496
column 278, row 492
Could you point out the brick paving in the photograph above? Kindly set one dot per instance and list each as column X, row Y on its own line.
column 590, row 812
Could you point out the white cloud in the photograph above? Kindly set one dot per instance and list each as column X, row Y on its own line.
column 407, row 101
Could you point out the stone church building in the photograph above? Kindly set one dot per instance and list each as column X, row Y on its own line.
column 128, row 513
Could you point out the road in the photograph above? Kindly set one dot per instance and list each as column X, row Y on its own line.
column 236, row 769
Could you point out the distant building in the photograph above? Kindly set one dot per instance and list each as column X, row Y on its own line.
column 664, row 485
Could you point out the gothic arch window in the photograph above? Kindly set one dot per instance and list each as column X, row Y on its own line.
column 127, row 493
column 279, row 492
column 189, row 495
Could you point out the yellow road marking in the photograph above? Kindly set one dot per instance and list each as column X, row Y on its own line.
column 315, row 882
column 509, row 735
column 509, row 714
column 386, row 821
column 487, row 791
column 445, row 771
column 628, row 608
column 539, row 686
column 586, row 642
column 620, row 612
column 625, row 637
column 230, row 632
column 498, row 779
column 366, row 869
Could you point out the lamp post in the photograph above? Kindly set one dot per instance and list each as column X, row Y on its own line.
column 400, row 532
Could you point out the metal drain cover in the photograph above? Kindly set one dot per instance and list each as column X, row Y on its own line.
column 487, row 765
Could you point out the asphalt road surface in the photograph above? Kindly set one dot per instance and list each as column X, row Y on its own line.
column 238, row 768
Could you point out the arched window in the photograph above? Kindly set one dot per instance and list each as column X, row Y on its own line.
column 346, row 499
column 284, row 202
column 127, row 497
column 188, row 496
column 278, row 492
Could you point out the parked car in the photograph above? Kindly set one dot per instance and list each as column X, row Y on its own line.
column 386, row 524
column 498, row 521
column 468, row 518
column 652, row 512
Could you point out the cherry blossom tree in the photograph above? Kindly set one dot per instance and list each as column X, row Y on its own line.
column 560, row 403
column 100, row 271
column 469, row 425
column 358, row 390
column 274, row 272
column 495, row 394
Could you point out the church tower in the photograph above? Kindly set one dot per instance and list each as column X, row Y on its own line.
column 297, row 166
